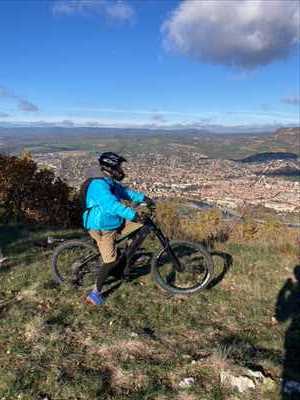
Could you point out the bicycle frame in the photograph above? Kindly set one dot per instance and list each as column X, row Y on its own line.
column 140, row 235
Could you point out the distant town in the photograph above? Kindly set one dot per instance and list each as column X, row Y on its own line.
column 229, row 171
column 224, row 183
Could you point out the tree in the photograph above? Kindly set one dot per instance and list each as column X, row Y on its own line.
column 31, row 195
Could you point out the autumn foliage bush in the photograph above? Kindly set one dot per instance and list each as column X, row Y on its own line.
column 168, row 217
column 210, row 228
column 32, row 195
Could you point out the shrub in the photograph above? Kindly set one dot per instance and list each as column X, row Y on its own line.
column 210, row 228
column 28, row 194
column 204, row 226
column 168, row 218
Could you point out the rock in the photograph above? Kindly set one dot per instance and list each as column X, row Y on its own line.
column 257, row 375
column 274, row 321
column 52, row 240
column 43, row 396
column 269, row 384
column 186, row 382
column 241, row 383
column 2, row 259
column 261, row 378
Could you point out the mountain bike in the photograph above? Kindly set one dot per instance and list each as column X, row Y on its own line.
column 178, row 267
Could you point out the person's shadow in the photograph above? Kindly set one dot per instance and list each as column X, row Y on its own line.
column 288, row 308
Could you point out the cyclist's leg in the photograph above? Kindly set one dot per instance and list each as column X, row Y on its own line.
column 129, row 227
column 106, row 242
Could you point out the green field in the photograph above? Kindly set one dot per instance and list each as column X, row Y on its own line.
column 142, row 343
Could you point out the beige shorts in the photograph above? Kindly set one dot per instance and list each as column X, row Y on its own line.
column 106, row 240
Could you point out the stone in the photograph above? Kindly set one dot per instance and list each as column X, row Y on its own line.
column 241, row 383
column 186, row 382
column 269, row 384
column 257, row 375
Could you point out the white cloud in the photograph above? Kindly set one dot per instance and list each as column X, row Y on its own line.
column 67, row 122
column 22, row 103
column 246, row 118
column 158, row 118
column 25, row 105
column 4, row 92
column 217, row 127
column 117, row 10
column 293, row 100
column 239, row 33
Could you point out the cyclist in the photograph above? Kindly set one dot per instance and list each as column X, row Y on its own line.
column 106, row 216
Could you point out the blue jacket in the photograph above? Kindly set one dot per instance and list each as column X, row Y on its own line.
column 104, row 210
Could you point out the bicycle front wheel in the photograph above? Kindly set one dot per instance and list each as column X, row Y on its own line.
column 75, row 263
column 196, row 263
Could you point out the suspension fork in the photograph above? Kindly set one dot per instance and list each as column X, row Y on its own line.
column 166, row 245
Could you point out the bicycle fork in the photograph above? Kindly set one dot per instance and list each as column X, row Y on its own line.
column 166, row 245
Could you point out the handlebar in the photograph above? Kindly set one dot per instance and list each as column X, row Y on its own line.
column 151, row 210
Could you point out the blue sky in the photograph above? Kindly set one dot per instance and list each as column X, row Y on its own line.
column 150, row 63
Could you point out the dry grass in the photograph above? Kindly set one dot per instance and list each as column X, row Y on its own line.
column 34, row 329
column 141, row 344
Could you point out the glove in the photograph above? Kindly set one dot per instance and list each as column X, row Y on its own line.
column 149, row 202
column 138, row 218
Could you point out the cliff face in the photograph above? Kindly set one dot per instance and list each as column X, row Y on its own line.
column 288, row 135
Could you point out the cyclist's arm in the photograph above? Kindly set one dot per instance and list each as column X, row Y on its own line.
column 110, row 203
column 129, row 194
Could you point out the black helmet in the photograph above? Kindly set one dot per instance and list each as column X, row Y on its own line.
column 111, row 164
column 111, row 160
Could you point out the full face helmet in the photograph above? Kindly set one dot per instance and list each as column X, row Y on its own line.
column 111, row 164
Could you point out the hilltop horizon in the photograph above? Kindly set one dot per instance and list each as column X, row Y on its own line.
column 68, row 127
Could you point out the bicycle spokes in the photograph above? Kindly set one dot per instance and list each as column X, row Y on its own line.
column 77, row 265
column 193, row 267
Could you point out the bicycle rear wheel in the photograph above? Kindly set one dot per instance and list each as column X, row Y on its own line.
column 197, row 266
column 75, row 263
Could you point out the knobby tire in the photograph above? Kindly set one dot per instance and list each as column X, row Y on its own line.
column 169, row 282
column 66, row 248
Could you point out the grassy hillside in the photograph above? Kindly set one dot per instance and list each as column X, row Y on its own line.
column 143, row 343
